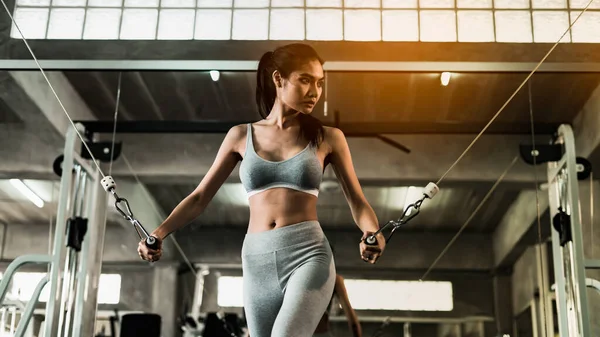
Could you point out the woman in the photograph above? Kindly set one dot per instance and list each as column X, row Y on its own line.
column 287, row 264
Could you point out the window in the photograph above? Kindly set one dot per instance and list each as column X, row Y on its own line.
column 475, row 26
column 287, row 24
column 230, row 291
column 362, row 25
column 526, row 21
column 24, row 284
column 549, row 26
column 400, row 25
column 513, row 26
column 400, row 295
column 382, row 295
column 438, row 25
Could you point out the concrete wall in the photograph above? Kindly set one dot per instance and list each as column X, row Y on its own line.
column 503, row 303
column 473, row 296
column 409, row 250
column 120, row 243
column 532, row 273
column 151, row 289
column 524, row 280
column 473, row 293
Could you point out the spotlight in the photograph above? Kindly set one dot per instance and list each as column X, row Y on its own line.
column 214, row 74
column 445, row 78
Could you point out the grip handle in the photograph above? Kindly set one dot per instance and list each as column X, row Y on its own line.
column 371, row 240
column 151, row 242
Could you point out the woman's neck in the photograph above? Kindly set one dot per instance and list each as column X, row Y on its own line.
column 282, row 116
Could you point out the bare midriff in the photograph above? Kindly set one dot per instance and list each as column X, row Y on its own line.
column 280, row 207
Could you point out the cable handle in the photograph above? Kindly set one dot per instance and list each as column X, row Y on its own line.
column 151, row 242
column 109, row 185
column 371, row 240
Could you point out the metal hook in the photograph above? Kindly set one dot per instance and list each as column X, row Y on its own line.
column 118, row 200
column 371, row 240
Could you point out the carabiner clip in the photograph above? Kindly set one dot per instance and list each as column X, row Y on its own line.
column 109, row 185
column 118, row 200
column 371, row 239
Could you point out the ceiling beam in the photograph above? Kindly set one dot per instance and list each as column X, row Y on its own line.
column 363, row 129
column 38, row 89
column 332, row 66
column 30, row 145
column 186, row 158
column 191, row 156
column 39, row 92
column 347, row 51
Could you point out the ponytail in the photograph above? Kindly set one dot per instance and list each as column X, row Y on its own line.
column 285, row 59
column 265, row 88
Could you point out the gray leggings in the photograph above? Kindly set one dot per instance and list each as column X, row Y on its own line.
column 289, row 275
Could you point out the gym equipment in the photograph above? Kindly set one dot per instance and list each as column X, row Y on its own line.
column 564, row 170
column 410, row 212
column 81, row 215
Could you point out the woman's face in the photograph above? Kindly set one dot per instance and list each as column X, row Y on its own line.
column 302, row 89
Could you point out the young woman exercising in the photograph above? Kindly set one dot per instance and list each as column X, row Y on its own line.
column 288, row 267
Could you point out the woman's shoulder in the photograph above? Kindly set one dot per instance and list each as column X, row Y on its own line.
column 333, row 132
column 236, row 137
column 333, row 136
column 238, row 131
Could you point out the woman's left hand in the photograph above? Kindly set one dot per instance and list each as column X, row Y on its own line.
column 370, row 253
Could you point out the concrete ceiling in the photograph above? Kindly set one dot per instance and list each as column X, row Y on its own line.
column 371, row 99
column 426, row 128
column 362, row 98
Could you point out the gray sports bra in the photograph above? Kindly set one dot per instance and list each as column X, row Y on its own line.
column 301, row 172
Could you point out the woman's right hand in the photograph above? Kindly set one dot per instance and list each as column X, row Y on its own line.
column 148, row 254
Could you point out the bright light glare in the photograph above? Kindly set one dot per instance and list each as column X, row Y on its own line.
column 445, row 78
column 400, row 295
column 412, row 195
column 230, row 291
column 215, row 75
column 26, row 191
column 24, row 284
column 382, row 294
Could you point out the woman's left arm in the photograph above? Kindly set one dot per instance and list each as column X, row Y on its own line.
column 362, row 212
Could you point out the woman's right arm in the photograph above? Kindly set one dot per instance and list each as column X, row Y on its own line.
column 195, row 203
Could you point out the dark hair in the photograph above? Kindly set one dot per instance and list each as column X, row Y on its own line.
column 286, row 59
